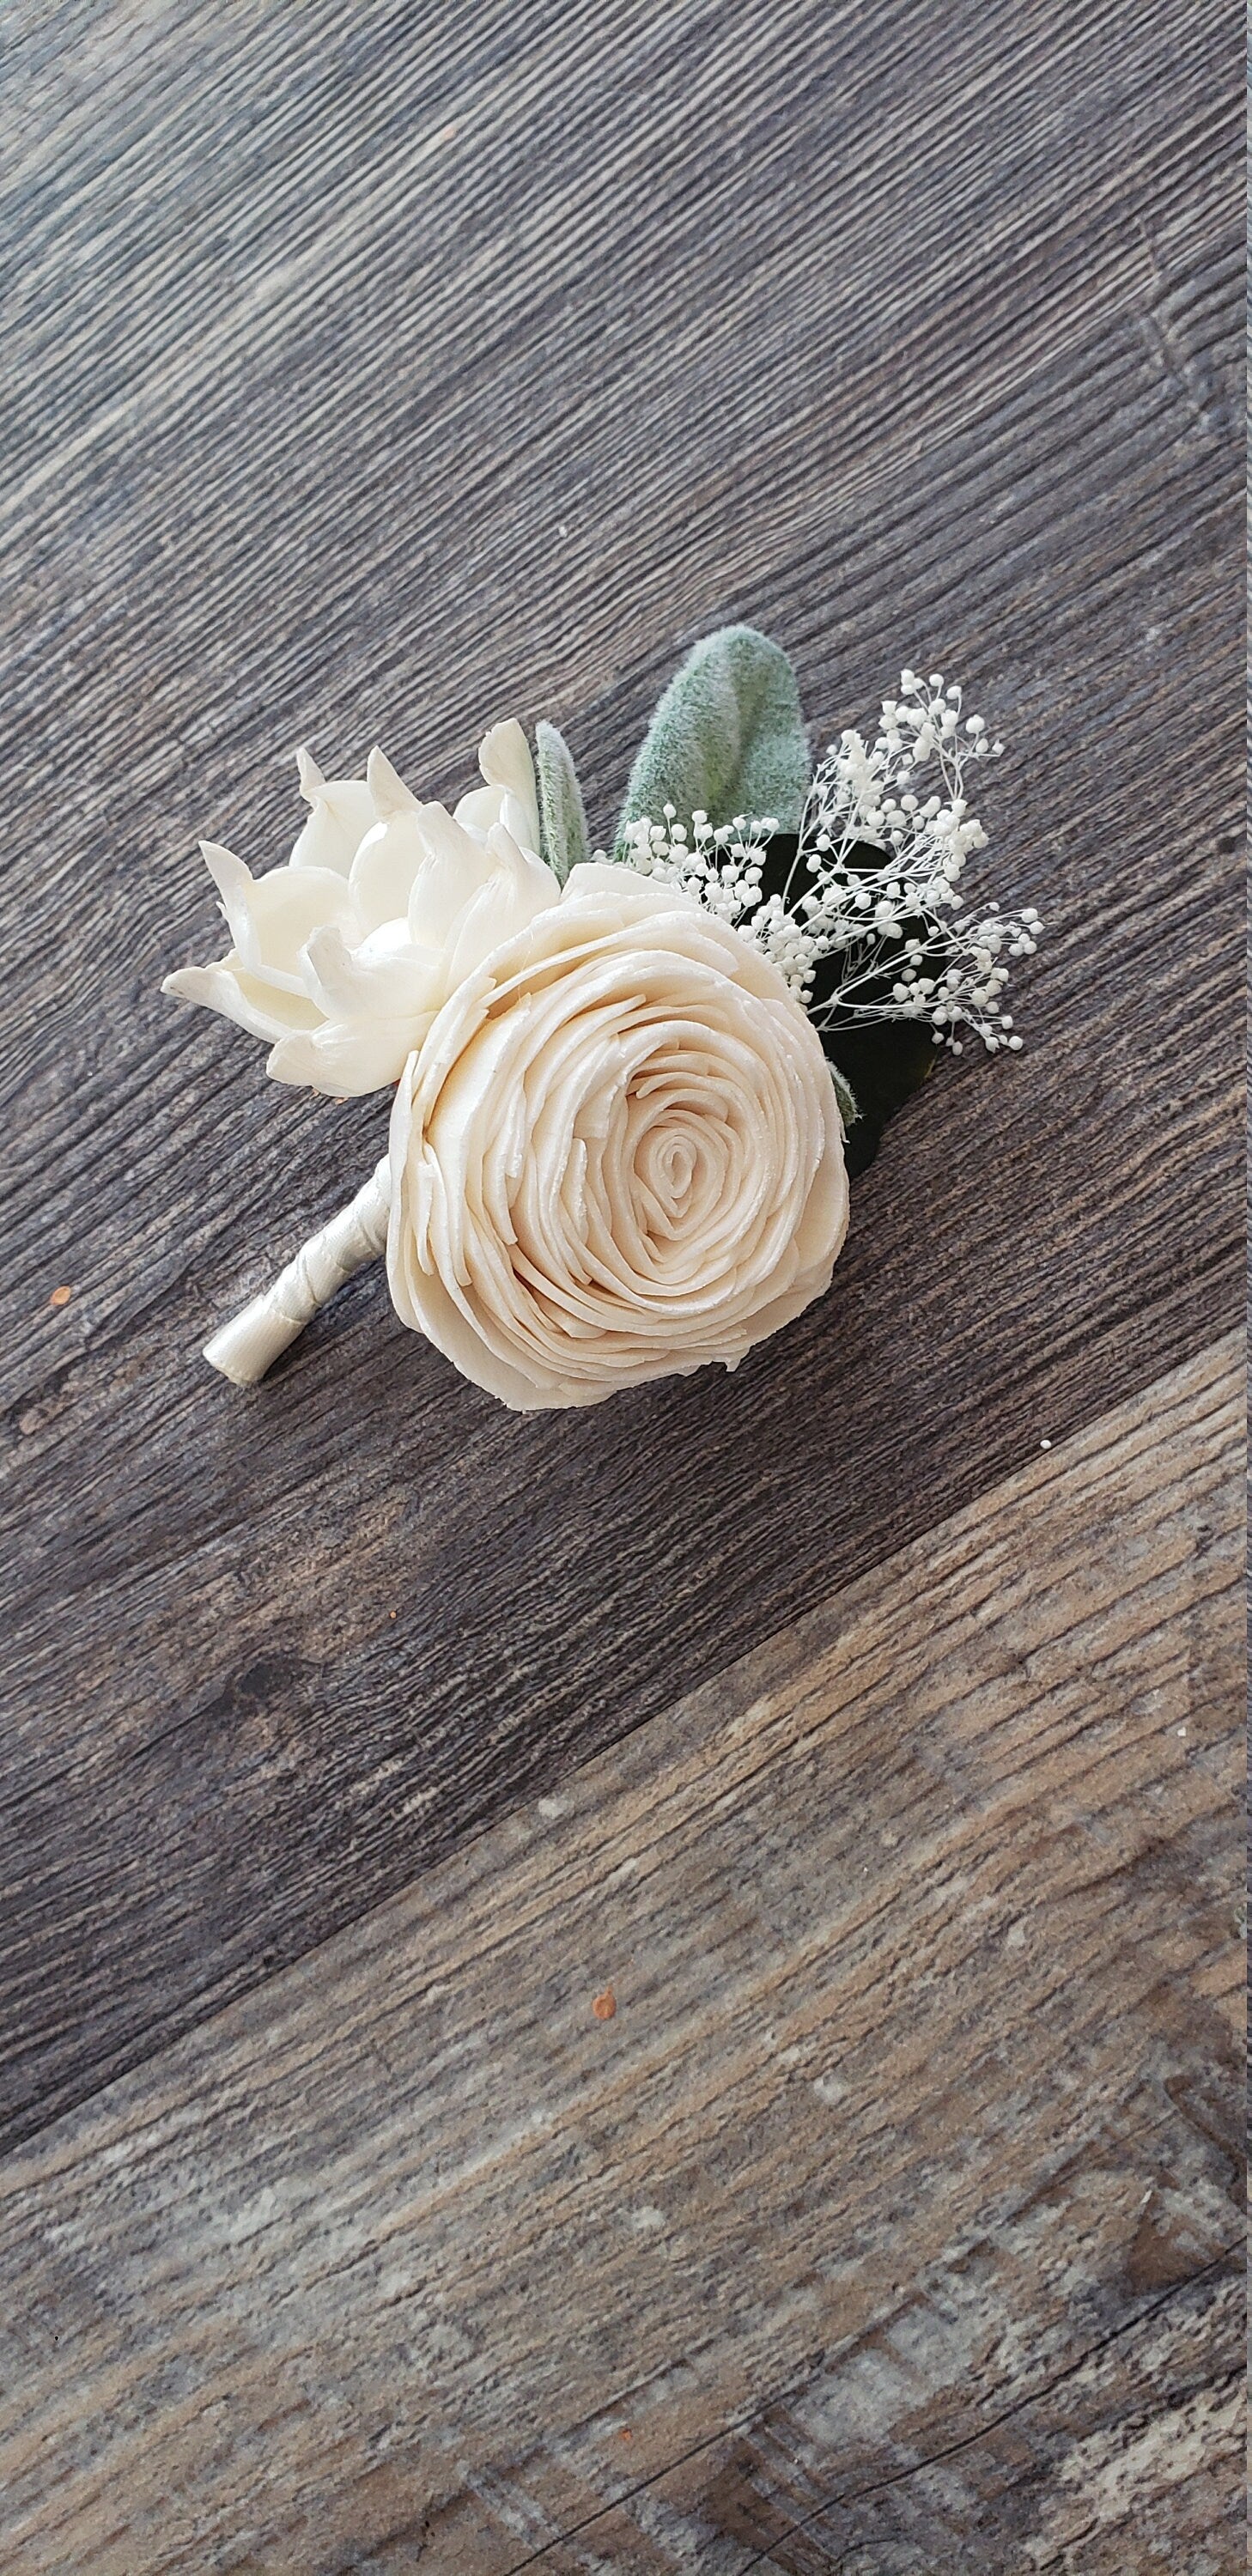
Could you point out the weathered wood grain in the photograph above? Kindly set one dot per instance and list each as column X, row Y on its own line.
column 374, row 376
column 885, row 2224
column 1128, row 2463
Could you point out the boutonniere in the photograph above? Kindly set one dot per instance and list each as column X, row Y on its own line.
column 630, row 1087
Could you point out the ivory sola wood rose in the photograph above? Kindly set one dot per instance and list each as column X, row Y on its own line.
column 618, row 1154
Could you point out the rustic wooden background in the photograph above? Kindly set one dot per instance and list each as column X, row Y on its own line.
column 369, row 374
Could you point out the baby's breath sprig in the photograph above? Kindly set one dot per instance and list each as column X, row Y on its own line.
column 866, row 925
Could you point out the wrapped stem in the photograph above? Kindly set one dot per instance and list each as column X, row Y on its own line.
column 247, row 1346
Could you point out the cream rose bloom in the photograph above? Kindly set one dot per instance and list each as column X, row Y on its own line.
column 617, row 1153
column 342, row 958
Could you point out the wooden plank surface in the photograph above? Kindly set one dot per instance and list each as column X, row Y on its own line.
column 887, row 2223
column 375, row 376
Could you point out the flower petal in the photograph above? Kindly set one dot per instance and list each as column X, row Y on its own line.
column 504, row 757
column 344, row 1059
column 531, row 872
column 455, row 864
column 271, row 917
column 342, row 814
column 486, row 807
column 228, row 989
column 388, row 792
column 479, row 811
column 518, row 888
column 383, row 870
column 385, row 978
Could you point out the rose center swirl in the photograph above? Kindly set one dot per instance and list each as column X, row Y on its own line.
column 667, row 1170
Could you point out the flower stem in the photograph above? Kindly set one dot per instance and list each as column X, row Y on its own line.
column 247, row 1346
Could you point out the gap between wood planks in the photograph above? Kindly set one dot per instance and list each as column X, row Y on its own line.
column 937, row 1884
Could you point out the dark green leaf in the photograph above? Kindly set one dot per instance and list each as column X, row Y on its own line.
column 884, row 1061
column 885, row 1065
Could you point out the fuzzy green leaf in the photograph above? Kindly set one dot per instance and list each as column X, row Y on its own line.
column 849, row 1108
column 562, row 819
column 726, row 739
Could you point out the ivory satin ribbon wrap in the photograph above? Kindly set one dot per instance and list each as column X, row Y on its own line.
column 249, row 1345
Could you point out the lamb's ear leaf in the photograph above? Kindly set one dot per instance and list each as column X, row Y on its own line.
column 849, row 1107
column 562, row 819
column 726, row 739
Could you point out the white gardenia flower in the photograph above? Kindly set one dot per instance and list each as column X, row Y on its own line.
column 343, row 957
column 617, row 1153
